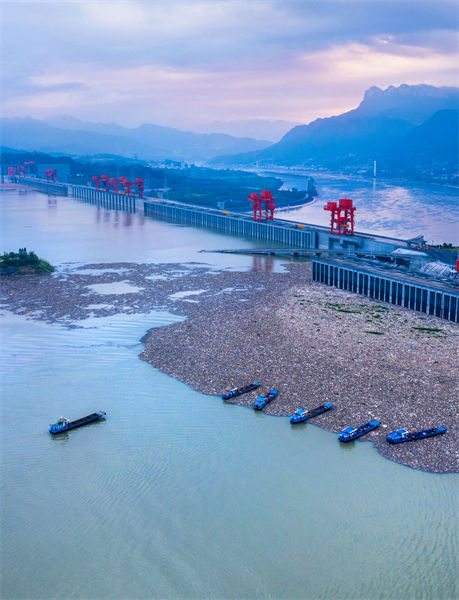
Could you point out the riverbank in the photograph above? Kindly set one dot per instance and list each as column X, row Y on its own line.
column 312, row 342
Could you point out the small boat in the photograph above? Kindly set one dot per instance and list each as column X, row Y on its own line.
column 65, row 424
column 227, row 394
column 351, row 433
column 262, row 401
column 303, row 415
column 402, row 435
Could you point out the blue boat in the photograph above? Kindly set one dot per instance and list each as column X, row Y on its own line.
column 303, row 415
column 402, row 435
column 65, row 424
column 227, row 394
column 351, row 433
column 262, row 401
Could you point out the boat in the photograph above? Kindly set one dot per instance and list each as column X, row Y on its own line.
column 303, row 415
column 402, row 435
column 262, row 401
column 351, row 433
column 227, row 394
column 65, row 424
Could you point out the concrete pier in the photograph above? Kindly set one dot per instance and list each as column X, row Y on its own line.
column 57, row 188
column 427, row 296
column 283, row 232
column 108, row 200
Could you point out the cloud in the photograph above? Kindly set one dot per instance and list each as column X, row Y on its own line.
column 178, row 62
column 382, row 60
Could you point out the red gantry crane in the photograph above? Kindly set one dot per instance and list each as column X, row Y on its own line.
column 140, row 186
column 127, row 185
column 256, row 205
column 115, row 184
column 267, row 197
column 342, row 216
column 50, row 173
column 104, row 182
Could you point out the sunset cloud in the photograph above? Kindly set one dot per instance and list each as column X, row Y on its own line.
column 179, row 63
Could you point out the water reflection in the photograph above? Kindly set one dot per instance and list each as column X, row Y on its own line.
column 262, row 264
column 83, row 232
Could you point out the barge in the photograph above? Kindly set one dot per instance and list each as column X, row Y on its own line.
column 303, row 415
column 402, row 435
column 64, row 424
column 262, row 401
column 227, row 394
column 352, row 433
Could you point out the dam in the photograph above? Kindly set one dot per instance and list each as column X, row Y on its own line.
column 353, row 272
column 278, row 231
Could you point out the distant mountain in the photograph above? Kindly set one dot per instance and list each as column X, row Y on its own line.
column 8, row 150
column 263, row 129
column 31, row 134
column 375, row 130
column 75, row 137
column 413, row 103
column 436, row 140
column 73, row 124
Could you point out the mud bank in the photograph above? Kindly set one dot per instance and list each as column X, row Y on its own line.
column 314, row 343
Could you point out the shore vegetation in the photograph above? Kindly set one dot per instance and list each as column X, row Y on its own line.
column 23, row 263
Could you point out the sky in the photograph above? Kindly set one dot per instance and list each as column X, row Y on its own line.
column 182, row 63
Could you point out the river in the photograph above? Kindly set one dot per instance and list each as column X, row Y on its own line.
column 392, row 208
column 177, row 494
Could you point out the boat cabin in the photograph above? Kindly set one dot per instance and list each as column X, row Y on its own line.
column 59, row 425
column 397, row 435
column 348, row 431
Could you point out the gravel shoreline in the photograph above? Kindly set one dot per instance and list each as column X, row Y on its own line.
column 314, row 343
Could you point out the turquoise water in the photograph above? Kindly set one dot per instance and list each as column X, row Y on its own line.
column 177, row 494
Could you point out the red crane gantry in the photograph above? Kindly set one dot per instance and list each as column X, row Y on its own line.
column 50, row 173
column 267, row 197
column 342, row 216
column 103, row 183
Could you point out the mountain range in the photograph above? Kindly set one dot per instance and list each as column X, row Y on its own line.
column 402, row 126
column 409, row 127
column 71, row 136
column 260, row 129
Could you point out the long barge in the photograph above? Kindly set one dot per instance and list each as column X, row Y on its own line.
column 303, row 415
column 64, row 424
column 262, row 401
column 227, row 394
column 402, row 435
column 352, row 433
